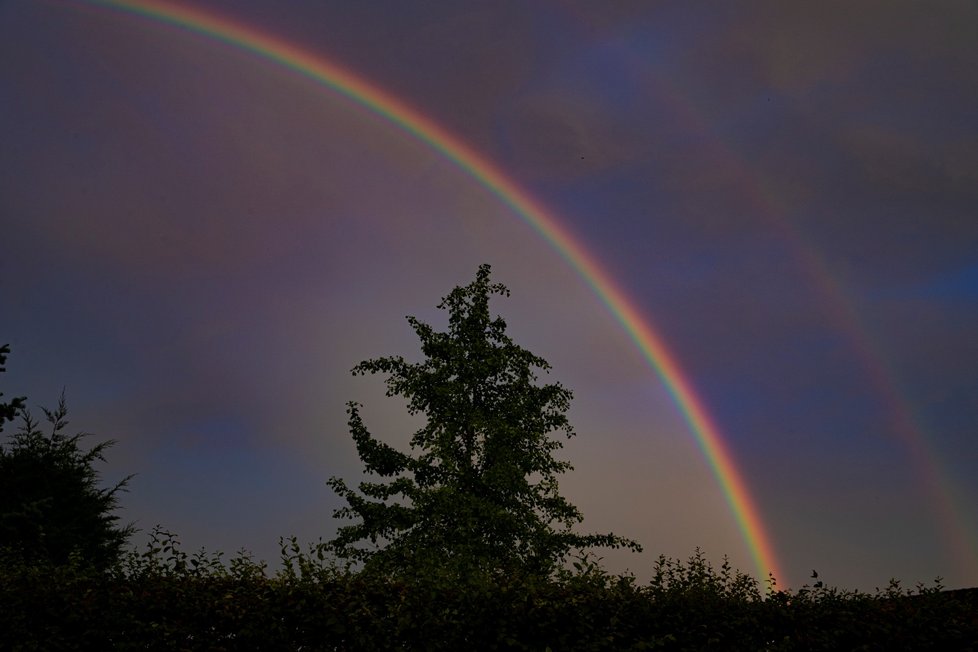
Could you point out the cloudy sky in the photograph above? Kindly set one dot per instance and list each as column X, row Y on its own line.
column 198, row 244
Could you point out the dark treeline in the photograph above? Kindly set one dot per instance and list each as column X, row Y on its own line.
column 464, row 543
column 163, row 599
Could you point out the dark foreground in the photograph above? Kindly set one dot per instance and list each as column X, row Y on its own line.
column 196, row 604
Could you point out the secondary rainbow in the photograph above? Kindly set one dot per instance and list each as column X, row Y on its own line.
column 639, row 328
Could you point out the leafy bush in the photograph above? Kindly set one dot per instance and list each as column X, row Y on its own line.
column 162, row 598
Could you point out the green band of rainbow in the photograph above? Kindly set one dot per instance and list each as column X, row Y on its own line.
column 541, row 220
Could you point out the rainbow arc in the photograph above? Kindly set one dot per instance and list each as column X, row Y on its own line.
column 639, row 328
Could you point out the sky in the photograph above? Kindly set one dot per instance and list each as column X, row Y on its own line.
column 199, row 242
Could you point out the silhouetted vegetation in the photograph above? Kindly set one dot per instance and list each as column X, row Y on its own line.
column 8, row 411
column 472, row 556
column 164, row 599
column 51, row 505
column 482, row 495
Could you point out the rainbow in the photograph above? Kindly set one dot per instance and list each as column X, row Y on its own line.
column 639, row 328
column 957, row 535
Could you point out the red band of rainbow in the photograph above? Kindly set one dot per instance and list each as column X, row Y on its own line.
column 544, row 222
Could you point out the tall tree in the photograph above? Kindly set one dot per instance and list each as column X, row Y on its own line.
column 480, row 491
column 51, row 505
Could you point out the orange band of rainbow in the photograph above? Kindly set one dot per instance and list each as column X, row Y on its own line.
column 361, row 92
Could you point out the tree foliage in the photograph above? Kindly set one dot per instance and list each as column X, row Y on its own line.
column 479, row 492
column 164, row 599
column 51, row 505
column 8, row 411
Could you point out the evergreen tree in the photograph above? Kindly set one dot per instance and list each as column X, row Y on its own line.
column 51, row 506
column 480, row 491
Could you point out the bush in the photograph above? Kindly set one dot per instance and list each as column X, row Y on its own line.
column 163, row 598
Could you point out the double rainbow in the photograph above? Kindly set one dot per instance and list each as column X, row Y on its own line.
column 543, row 221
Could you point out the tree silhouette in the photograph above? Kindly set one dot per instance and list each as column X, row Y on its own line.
column 51, row 506
column 8, row 411
column 481, row 492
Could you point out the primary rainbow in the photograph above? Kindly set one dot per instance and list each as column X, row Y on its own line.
column 639, row 328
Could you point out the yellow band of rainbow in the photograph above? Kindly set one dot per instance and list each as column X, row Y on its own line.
column 544, row 222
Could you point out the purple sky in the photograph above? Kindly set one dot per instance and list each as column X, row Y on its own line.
column 198, row 245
